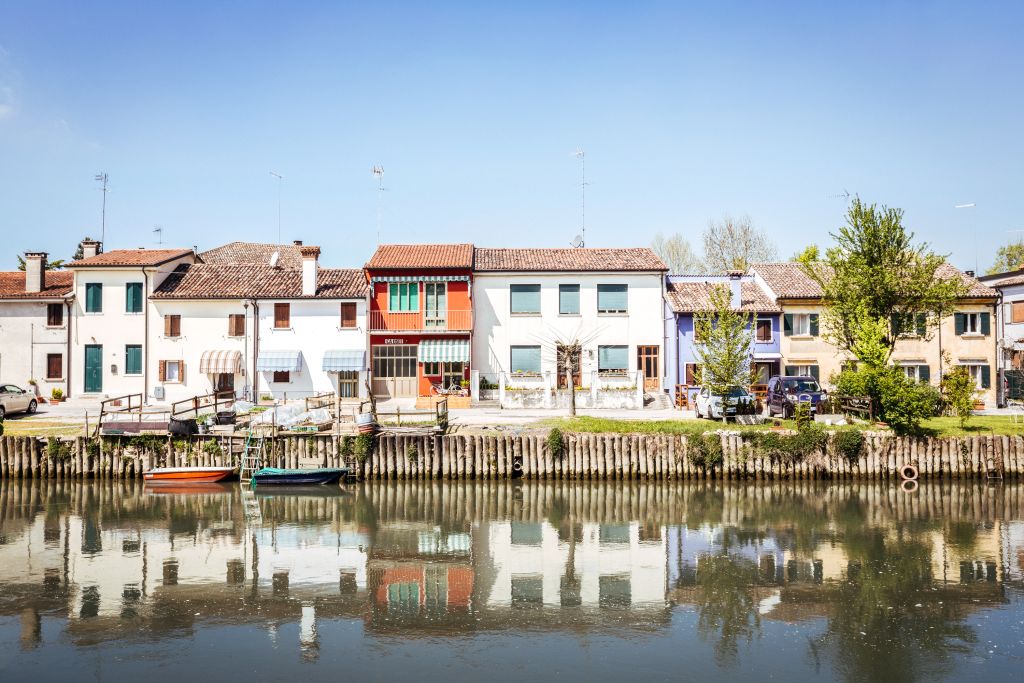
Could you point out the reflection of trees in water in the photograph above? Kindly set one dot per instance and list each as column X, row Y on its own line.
column 885, row 622
column 726, row 603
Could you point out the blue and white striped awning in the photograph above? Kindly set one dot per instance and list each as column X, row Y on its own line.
column 420, row 278
column 279, row 361
column 444, row 351
column 344, row 361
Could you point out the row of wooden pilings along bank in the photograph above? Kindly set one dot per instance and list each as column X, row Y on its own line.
column 505, row 456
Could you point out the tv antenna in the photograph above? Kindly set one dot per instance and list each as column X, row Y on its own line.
column 158, row 230
column 581, row 238
column 103, row 178
column 378, row 172
column 279, row 179
column 845, row 194
column 577, row 241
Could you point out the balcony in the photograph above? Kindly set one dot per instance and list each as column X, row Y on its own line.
column 406, row 321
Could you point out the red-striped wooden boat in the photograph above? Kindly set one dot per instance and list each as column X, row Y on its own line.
column 178, row 475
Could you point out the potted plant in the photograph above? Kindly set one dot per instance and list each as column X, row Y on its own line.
column 56, row 395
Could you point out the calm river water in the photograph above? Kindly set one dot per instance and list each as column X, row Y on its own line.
column 512, row 582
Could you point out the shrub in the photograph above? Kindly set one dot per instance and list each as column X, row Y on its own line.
column 364, row 447
column 704, row 450
column 57, row 450
column 412, row 453
column 849, row 443
column 212, row 448
column 898, row 400
column 556, row 444
column 958, row 392
column 57, row 393
column 802, row 414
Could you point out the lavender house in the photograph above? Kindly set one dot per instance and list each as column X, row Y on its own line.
column 686, row 295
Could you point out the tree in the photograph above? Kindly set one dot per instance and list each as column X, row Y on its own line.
column 677, row 254
column 734, row 244
column 50, row 265
column 1009, row 257
column 958, row 390
column 725, row 343
column 876, row 276
column 80, row 251
column 810, row 254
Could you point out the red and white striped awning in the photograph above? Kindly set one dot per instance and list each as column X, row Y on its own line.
column 221, row 362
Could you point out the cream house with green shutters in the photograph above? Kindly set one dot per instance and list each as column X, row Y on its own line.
column 966, row 338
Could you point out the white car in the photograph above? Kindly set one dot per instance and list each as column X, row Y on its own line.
column 16, row 400
column 709, row 405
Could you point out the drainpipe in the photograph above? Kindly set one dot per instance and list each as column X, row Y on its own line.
column 255, row 350
column 145, row 338
column 68, row 363
column 999, row 358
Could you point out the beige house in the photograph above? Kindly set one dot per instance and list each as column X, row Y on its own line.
column 967, row 338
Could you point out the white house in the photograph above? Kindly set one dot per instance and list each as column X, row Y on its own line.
column 1009, row 332
column 35, row 339
column 528, row 301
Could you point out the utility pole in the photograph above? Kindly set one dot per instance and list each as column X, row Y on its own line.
column 103, row 178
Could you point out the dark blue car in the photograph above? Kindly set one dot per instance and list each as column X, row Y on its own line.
column 785, row 392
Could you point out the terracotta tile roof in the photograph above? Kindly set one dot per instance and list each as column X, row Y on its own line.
column 1005, row 281
column 131, row 257
column 57, row 284
column 788, row 281
column 695, row 296
column 422, row 256
column 220, row 281
column 567, row 260
column 254, row 254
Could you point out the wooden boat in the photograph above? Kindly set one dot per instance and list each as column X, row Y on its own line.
column 281, row 477
column 178, row 475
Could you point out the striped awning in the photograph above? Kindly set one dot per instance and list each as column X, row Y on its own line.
column 420, row 278
column 279, row 361
column 221, row 362
column 344, row 361
column 444, row 351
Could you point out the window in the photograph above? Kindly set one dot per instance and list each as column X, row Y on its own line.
column 404, row 296
column 916, row 373
column 348, row 315
column 282, row 316
column 525, row 299
column 800, row 325
column 54, row 366
column 133, row 359
column 612, row 359
column 172, row 371
column 763, row 330
column 93, row 297
column 981, row 374
column 394, row 360
column 972, row 323
column 282, row 376
column 54, row 315
column 435, row 299
column 348, row 383
column 172, row 325
column 568, row 299
column 802, row 370
column 692, row 374
column 612, row 298
column 524, row 359
column 133, row 297
column 236, row 325
column 1017, row 312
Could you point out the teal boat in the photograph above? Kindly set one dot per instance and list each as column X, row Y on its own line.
column 273, row 476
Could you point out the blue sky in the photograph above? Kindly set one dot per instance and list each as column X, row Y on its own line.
column 686, row 111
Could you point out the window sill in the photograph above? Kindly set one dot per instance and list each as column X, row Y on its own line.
column 236, row 336
column 282, row 329
column 525, row 315
column 570, row 315
column 56, row 327
column 133, row 313
column 54, row 379
column 93, row 313
column 173, row 338
column 802, row 337
column 613, row 314
column 973, row 335
column 132, row 374
column 348, row 329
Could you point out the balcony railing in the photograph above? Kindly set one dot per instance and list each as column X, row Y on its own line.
column 445, row 321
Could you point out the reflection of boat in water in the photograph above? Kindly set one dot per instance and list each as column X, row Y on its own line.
column 189, row 487
column 299, row 490
column 280, row 477
column 190, row 474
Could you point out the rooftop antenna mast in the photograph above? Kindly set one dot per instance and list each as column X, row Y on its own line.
column 159, row 231
column 378, row 172
column 970, row 205
column 279, row 179
column 582, row 237
column 103, row 178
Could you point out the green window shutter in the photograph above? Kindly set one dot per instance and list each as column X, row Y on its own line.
column 787, row 325
column 569, row 299
column 959, row 323
column 814, row 324
column 789, row 370
column 612, row 358
column 986, row 324
column 924, row 374
column 815, row 372
column 525, row 298
column 414, row 296
column 133, row 359
column 133, row 297
column 524, row 359
column 922, row 324
column 986, row 377
column 93, row 297
column 612, row 298
column 393, row 297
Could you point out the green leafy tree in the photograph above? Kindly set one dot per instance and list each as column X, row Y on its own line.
column 810, row 254
column 677, row 254
column 1008, row 257
column 50, row 265
column 876, row 273
column 725, row 343
column 958, row 390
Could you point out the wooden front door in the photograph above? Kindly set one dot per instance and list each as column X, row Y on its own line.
column 93, row 368
column 648, row 359
column 394, row 370
column 225, row 384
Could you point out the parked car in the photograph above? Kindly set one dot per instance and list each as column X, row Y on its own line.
column 710, row 405
column 786, row 391
column 16, row 400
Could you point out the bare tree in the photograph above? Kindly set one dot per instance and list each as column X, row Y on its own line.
column 734, row 243
column 677, row 254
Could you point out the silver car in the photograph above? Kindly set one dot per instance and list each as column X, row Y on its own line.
column 710, row 405
column 16, row 400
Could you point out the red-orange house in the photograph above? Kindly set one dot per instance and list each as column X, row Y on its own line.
column 421, row 318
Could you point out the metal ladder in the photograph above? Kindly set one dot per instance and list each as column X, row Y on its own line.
column 252, row 456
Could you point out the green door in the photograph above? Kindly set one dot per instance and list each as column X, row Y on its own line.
column 93, row 369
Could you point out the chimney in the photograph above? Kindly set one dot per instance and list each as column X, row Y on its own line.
column 736, row 288
column 309, row 268
column 35, row 271
column 969, row 273
column 297, row 243
column 90, row 248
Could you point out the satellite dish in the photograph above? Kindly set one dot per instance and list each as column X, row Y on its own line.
column 577, row 241
column 274, row 258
